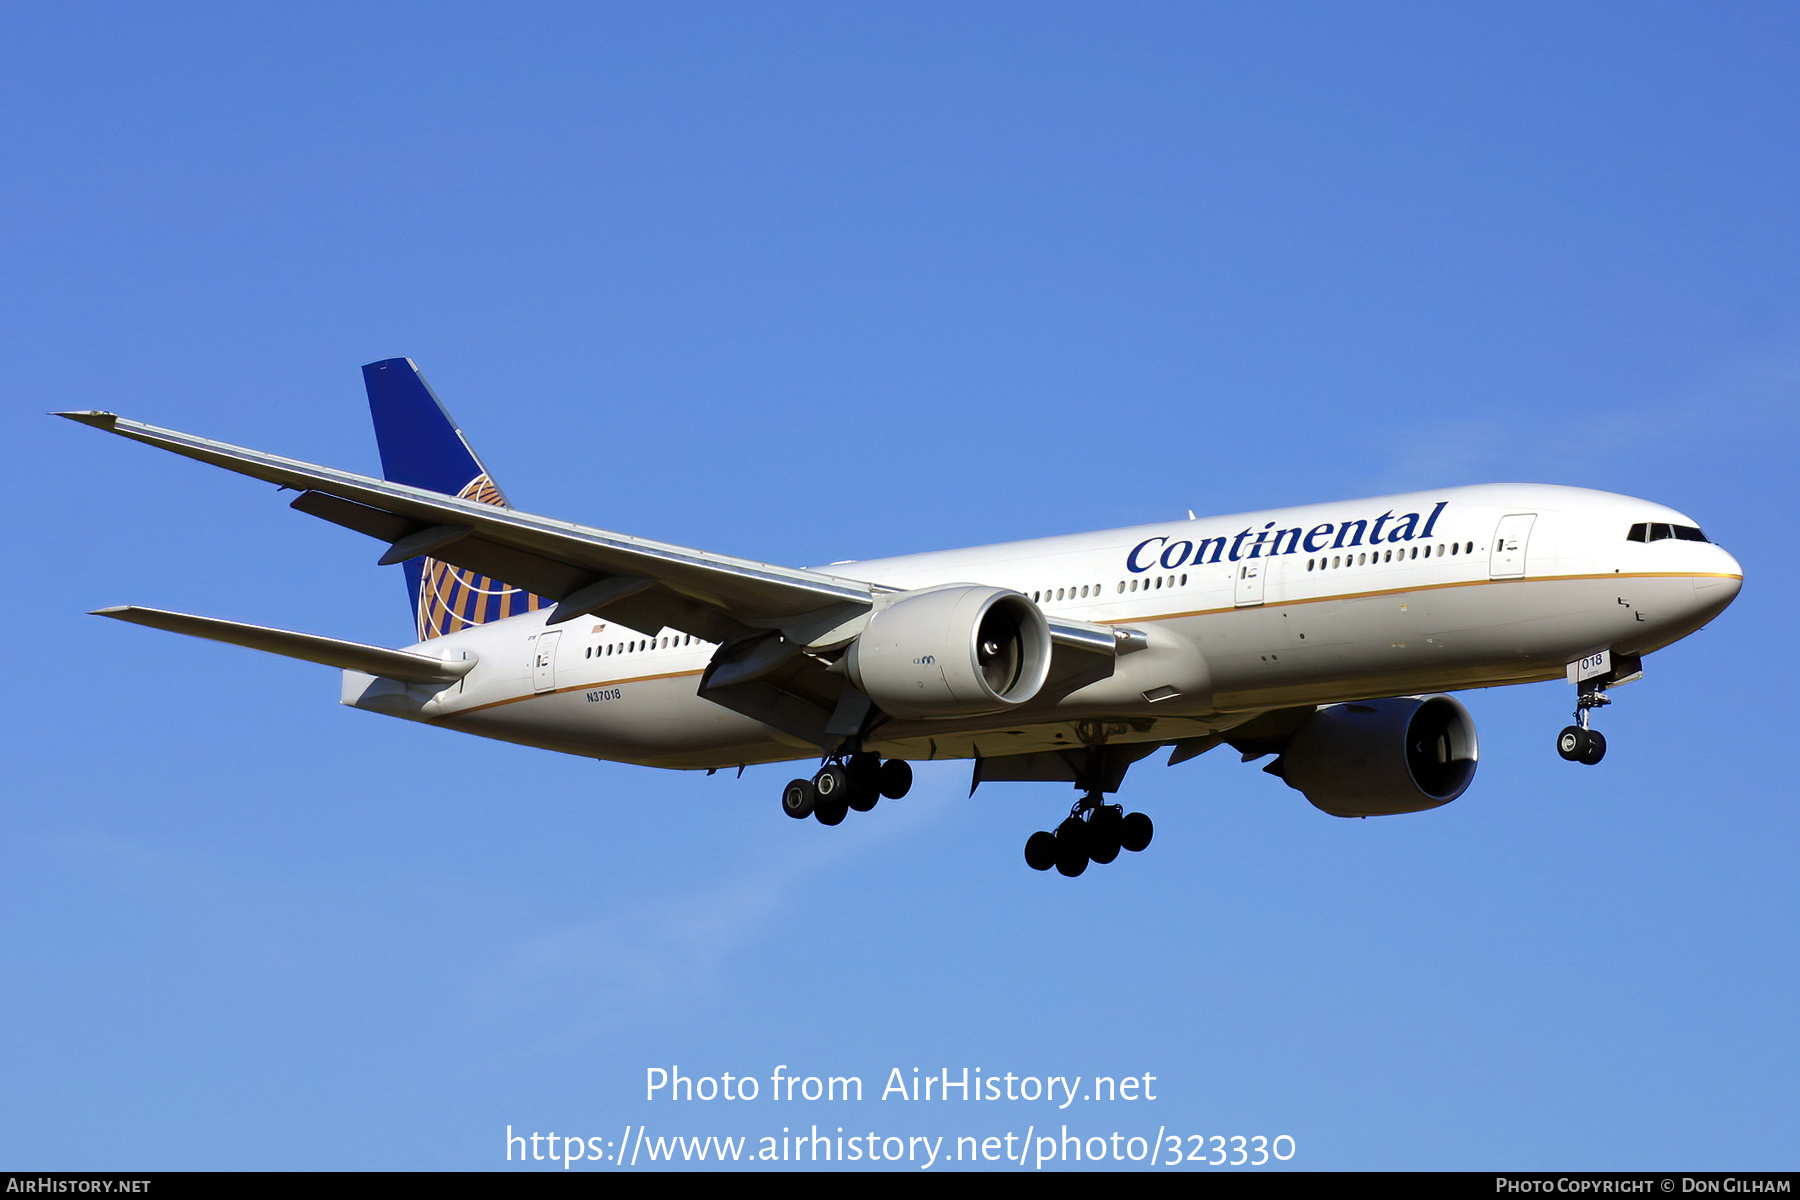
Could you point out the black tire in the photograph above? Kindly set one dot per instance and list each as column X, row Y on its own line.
column 863, row 771
column 831, row 783
column 1596, row 748
column 1072, row 847
column 1135, row 832
column 798, row 799
column 1105, row 829
column 1040, row 851
column 831, row 814
column 1572, row 743
column 896, row 778
column 862, row 775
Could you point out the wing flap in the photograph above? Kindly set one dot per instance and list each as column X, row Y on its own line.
column 331, row 652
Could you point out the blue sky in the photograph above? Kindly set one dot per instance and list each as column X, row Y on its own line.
column 812, row 282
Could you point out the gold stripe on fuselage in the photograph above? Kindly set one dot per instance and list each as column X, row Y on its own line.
column 574, row 687
column 1422, row 587
column 1176, row 616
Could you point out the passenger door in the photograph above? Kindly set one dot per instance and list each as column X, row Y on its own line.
column 1250, row 583
column 543, row 662
column 1508, row 557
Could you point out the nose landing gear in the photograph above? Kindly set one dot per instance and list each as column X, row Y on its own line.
column 1578, row 742
column 845, row 783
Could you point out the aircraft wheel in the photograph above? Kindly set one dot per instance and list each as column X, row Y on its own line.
column 1596, row 748
column 832, row 783
column 864, row 773
column 1071, row 847
column 896, row 778
column 1040, row 851
column 1135, row 832
column 831, row 812
column 1104, row 834
column 1572, row 743
column 798, row 799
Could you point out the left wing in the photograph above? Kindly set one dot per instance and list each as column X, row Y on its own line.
column 763, row 617
column 640, row 583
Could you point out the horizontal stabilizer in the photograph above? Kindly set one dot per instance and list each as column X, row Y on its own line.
column 331, row 652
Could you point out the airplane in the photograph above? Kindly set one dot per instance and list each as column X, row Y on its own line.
column 1324, row 635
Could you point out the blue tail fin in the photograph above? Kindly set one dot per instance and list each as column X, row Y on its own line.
column 422, row 447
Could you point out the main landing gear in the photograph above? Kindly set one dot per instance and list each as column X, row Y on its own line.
column 849, row 782
column 1094, row 832
column 1577, row 742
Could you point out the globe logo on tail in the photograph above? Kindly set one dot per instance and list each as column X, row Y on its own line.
column 453, row 598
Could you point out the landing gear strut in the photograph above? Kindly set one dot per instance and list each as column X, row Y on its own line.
column 846, row 782
column 1578, row 742
column 1093, row 832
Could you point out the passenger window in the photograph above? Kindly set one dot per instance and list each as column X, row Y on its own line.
column 1184, row 581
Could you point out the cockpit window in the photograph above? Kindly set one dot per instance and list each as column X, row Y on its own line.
column 1653, row 531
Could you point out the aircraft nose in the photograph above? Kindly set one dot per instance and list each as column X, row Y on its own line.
column 1716, row 589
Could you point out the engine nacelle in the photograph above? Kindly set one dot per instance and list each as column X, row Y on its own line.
column 956, row 651
column 1380, row 757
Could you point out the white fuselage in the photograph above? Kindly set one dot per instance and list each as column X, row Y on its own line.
column 1504, row 583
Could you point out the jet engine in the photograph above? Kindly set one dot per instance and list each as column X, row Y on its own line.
column 1381, row 757
column 956, row 651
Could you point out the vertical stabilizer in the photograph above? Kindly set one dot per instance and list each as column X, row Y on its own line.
column 422, row 447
